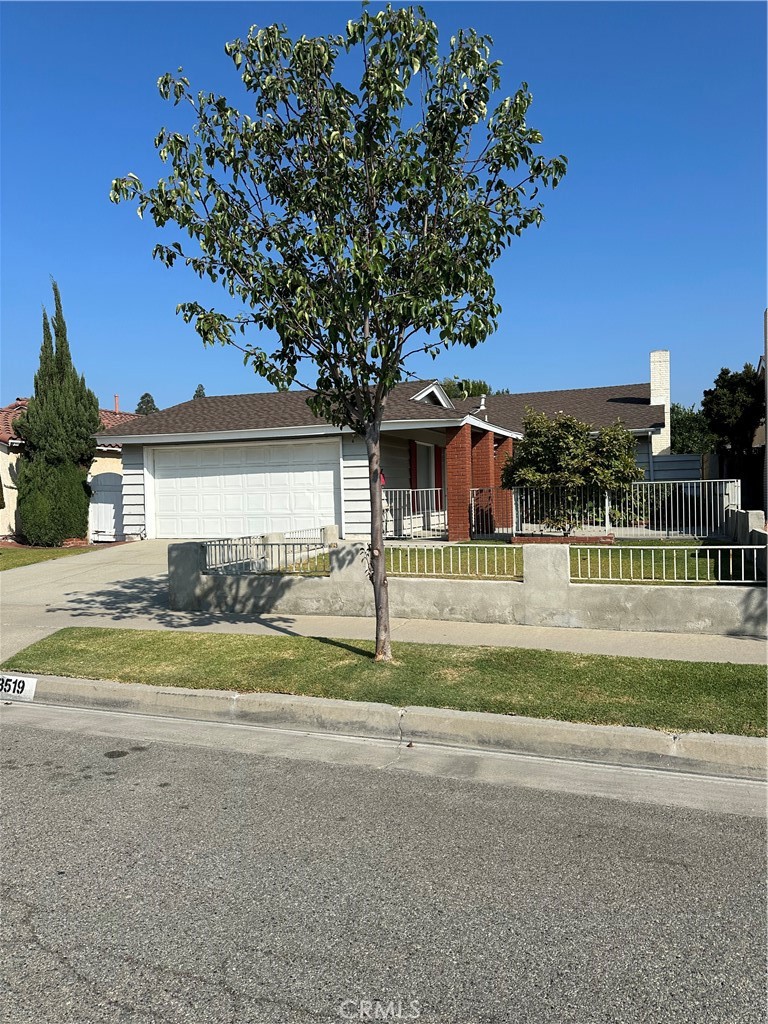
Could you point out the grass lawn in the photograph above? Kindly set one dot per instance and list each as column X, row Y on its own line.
column 685, row 563
column 476, row 560
column 13, row 558
column 454, row 561
column 667, row 695
column 465, row 561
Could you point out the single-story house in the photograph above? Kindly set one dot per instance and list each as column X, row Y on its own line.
column 243, row 465
column 105, row 476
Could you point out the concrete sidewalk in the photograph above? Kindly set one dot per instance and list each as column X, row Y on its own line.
column 126, row 587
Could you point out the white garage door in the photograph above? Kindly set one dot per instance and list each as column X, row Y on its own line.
column 241, row 490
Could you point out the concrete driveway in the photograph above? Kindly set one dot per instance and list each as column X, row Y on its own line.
column 103, row 587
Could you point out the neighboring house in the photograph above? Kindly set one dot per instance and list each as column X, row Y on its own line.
column 240, row 465
column 105, row 475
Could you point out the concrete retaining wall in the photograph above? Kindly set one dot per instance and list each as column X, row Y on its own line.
column 748, row 527
column 546, row 597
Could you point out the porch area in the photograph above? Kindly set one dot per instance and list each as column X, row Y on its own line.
column 442, row 470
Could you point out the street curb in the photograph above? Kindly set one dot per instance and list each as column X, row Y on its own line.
column 506, row 733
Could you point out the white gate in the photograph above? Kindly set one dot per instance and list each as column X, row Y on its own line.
column 105, row 513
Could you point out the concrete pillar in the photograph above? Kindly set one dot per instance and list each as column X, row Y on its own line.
column 458, row 471
column 330, row 536
column 185, row 566
column 546, row 579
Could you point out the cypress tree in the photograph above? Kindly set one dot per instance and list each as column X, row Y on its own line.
column 57, row 429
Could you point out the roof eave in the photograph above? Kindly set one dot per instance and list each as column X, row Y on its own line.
column 289, row 433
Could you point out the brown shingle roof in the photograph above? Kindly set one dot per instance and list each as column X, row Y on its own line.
column 599, row 407
column 274, row 410
column 266, row 411
column 10, row 413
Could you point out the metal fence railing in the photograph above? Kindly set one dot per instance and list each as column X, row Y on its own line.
column 419, row 513
column 492, row 561
column 710, row 563
column 313, row 534
column 683, row 508
column 251, row 556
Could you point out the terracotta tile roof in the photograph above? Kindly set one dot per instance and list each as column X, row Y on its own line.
column 275, row 410
column 11, row 412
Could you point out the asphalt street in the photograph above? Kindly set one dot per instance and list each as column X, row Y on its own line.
column 173, row 871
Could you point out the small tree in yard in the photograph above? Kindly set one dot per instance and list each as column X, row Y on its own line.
column 199, row 392
column 563, row 453
column 357, row 226
column 57, row 429
column 146, row 405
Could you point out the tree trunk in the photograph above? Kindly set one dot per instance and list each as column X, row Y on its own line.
column 378, row 569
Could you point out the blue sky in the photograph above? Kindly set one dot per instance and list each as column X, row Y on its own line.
column 656, row 238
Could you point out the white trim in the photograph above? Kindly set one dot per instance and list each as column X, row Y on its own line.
column 436, row 389
column 294, row 433
column 341, row 488
column 634, row 431
column 494, row 428
column 16, row 444
column 214, row 436
column 150, row 526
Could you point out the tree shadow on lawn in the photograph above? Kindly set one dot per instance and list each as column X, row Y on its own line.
column 369, row 655
column 147, row 598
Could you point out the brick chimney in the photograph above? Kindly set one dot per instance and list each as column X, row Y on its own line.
column 117, row 403
column 661, row 395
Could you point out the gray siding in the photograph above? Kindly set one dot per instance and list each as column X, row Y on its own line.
column 396, row 463
column 357, row 506
column 643, row 457
column 676, row 467
column 134, row 505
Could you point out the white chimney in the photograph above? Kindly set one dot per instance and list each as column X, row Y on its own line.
column 661, row 394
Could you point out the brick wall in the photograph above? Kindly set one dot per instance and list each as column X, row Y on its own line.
column 483, row 469
column 661, row 395
column 503, row 452
column 458, row 471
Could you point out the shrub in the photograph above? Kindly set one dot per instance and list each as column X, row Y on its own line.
column 53, row 502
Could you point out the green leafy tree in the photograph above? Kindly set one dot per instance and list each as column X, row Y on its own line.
column 690, row 431
column 146, row 405
column 734, row 409
column 199, row 392
column 58, row 430
column 567, row 455
column 455, row 388
column 358, row 226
